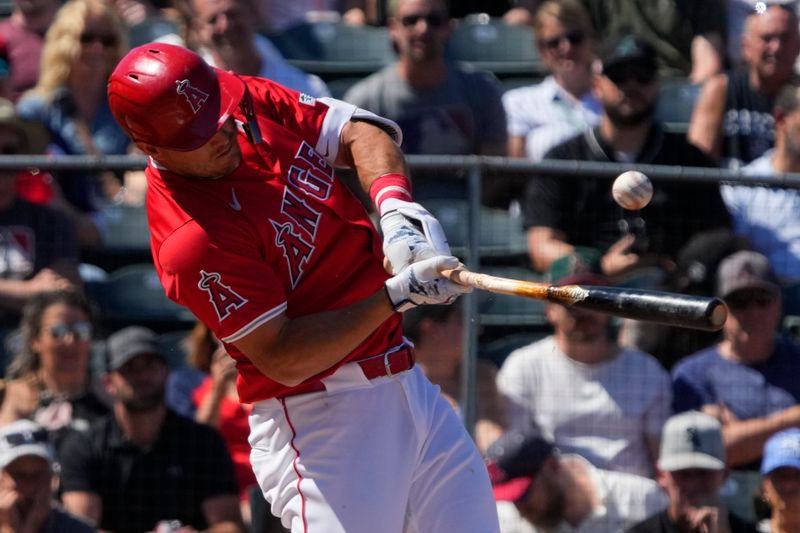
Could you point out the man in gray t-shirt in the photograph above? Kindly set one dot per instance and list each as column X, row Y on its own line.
column 441, row 107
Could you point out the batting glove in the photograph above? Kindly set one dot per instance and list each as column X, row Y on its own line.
column 421, row 284
column 410, row 233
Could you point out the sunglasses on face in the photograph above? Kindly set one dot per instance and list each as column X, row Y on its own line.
column 434, row 20
column 574, row 38
column 638, row 73
column 81, row 331
column 24, row 437
column 106, row 40
column 745, row 299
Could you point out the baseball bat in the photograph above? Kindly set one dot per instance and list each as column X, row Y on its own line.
column 696, row 312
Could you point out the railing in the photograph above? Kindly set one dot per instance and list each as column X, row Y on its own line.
column 471, row 168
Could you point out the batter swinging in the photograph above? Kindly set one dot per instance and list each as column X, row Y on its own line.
column 252, row 231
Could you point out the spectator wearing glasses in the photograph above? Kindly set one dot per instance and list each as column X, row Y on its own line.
column 81, row 48
column 546, row 114
column 626, row 85
column 26, row 483
column 749, row 379
column 49, row 378
column 144, row 464
column 732, row 120
column 441, row 107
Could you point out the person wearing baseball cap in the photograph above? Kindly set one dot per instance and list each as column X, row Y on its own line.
column 692, row 470
column 125, row 472
column 535, row 486
column 583, row 359
column 748, row 378
column 780, row 484
column 26, row 477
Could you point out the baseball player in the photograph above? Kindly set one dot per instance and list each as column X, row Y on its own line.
column 252, row 231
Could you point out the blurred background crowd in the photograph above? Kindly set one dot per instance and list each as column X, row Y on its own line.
column 119, row 412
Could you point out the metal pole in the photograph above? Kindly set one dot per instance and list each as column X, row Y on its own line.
column 470, row 310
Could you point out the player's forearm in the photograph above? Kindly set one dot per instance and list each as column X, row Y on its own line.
column 371, row 152
column 305, row 346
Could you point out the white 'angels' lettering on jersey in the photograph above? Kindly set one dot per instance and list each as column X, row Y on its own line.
column 310, row 178
column 222, row 297
column 296, row 249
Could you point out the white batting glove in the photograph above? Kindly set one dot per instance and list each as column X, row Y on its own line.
column 410, row 233
column 421, row 284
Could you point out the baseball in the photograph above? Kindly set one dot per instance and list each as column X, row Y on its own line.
column 632, row 190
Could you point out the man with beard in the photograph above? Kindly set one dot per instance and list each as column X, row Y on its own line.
column 145, row 464
column 691, row 469
column 616, row 424
column 562, row 213
column 539, row 490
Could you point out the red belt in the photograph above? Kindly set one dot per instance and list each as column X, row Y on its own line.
column 377, row 366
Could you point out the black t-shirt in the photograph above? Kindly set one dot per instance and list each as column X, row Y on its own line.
column 139, row 487
column 584, row 209
column 662, row 523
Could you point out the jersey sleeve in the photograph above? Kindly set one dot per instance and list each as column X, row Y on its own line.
column 317, row 120
column 222, row 278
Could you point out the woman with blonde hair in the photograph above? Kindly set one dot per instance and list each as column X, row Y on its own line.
column 81, row 48
column 548, row 113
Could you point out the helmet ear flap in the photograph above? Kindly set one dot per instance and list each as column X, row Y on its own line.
column 166, row 96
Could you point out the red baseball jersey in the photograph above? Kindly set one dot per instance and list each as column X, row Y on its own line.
column 278, row 235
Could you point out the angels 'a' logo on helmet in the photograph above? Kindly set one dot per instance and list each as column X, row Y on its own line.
column 193, row 95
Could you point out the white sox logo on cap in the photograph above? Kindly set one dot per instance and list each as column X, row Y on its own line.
column 193, row 95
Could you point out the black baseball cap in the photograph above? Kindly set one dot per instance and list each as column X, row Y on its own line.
column 513, row 461
column 746, row 269
column 627, row 49
column 127, row 343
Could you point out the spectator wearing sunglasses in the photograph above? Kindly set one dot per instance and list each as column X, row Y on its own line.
column 441, row 107
column 625, row 83
column 546, row 114
column 145, row 464
column 732, row 120
column 81, row 47
column 26, row 483
column 749, row 379
column 49, row 378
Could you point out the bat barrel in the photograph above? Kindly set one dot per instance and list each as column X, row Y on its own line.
column 674, row 309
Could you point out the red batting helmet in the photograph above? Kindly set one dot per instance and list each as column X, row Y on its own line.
column 167, row 96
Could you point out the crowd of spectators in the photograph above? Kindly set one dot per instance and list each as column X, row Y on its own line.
column 596, row 426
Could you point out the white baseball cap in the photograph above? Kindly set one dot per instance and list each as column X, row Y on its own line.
column 23, row 438
column 691, row 440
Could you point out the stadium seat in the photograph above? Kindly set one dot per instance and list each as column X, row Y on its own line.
column 501, row 233
column 332, row 50
column 126, row 227
column 676, row 100
column 490, row 44
column 133, row 295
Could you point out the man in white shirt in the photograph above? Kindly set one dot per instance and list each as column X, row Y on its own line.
column 585, row 392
